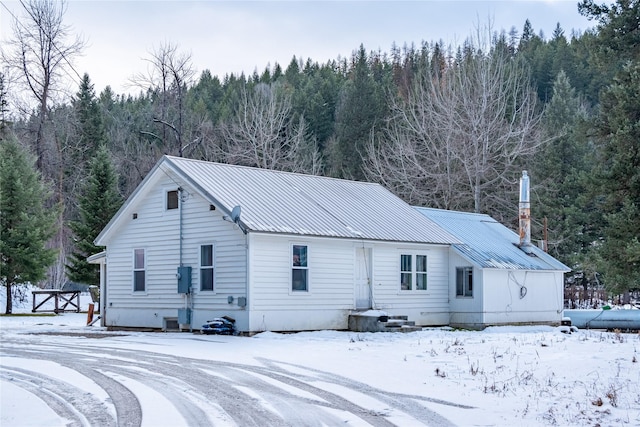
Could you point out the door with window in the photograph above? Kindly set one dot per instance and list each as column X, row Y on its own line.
column 364, row 292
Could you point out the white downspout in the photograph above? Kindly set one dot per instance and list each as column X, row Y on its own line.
column 188, row 303
column 247, row 281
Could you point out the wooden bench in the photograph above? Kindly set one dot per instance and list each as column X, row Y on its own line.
column 62, row 300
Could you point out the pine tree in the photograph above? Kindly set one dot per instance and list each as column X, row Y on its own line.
column 617, row 29
column 26, row 225
column 91, row 131
column 618, row 132
column 316, row 102
column 561, row 170
column 99, row 202
column 619, row 129
column 360, row 109
column 527, row 35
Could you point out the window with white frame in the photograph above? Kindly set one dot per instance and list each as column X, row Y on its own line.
column 206, row 267
column 413, row 272
column 421, row 272
column 464, row 281
column 139, row 281
column 299, row 268
column 406, row 272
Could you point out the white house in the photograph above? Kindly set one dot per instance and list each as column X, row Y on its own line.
column 283, row 252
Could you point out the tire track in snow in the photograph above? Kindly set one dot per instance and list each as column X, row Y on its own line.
column 400, row 401
column 128, row 411
column 213, row 392
column 75, row 406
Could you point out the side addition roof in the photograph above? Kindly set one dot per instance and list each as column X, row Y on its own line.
column 489, row 244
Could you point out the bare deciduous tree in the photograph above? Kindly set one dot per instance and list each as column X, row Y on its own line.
column 169, row 75
column 41, row 51
column 460, row 137
column 263, row 134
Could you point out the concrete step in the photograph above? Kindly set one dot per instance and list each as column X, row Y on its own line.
column 396, row 323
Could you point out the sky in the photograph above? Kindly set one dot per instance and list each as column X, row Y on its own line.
column 243, row 36
column 55, row 370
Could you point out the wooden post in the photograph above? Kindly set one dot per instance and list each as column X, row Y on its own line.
column 90, row 314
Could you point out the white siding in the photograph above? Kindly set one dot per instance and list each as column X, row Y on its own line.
column 331, row 295
column 430, row 307
column 465, row 311
column 522, row 297
column 157, row 230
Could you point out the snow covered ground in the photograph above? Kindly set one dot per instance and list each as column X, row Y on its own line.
column 56, row 371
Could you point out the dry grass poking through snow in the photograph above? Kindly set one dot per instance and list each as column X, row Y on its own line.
column 547, row 378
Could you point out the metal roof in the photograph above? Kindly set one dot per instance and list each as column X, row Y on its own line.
column 284, row 202
column 489, row 244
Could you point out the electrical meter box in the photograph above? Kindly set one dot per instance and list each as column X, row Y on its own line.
column 184, row 279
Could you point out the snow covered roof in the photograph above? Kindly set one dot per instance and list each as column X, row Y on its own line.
column 291, row 203
column 489, row 244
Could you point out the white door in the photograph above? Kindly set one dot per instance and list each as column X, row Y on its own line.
column 363, row 278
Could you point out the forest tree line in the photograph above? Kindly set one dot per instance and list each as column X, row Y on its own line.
column 442, row 126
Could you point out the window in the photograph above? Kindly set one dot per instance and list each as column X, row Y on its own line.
column 206, row 268
column 421, row 272
column 299, row 269
column 172, row 199
column 413, row 270
column 464, row 281
column 406, row 273
column 139, row 284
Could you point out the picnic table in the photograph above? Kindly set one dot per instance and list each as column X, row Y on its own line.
column 62, row 299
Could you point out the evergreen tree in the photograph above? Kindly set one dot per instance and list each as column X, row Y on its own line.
column 527, row 35
column 91, row 132
column 618, row 132
column 292, row 73
column 316, row 102
column 204, row 98
column 619, row 129
column 561, row 54
column 277, row 72
column 99, row 202
column 586, row 77
column 617, row 29
column 25, row 224
column 561, row 170
column 615, row 41
column 360, row 109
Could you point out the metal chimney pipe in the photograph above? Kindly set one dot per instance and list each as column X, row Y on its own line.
column 524, row 213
